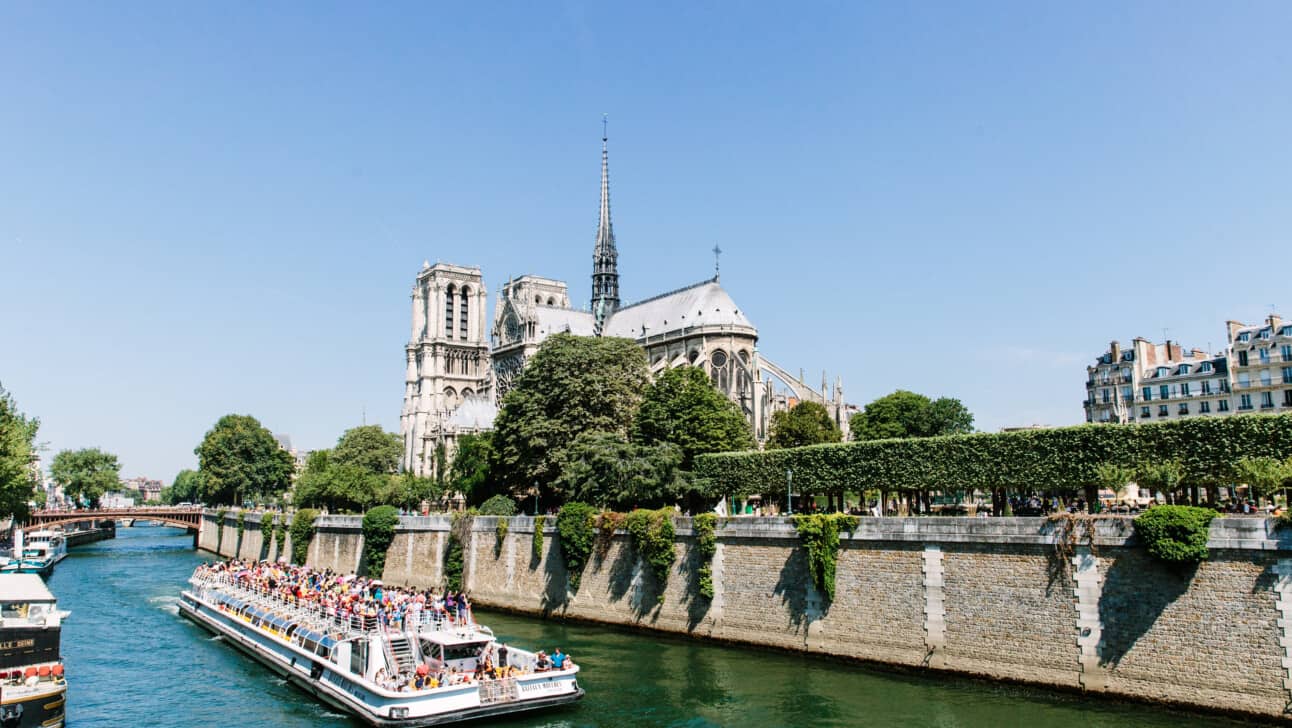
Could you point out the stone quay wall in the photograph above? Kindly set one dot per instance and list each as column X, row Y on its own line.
column 986, row 597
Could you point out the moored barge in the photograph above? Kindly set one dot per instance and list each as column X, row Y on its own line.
column 425, row 669
column 33, row 688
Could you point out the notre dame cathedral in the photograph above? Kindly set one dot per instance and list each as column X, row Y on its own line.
column 457, row 373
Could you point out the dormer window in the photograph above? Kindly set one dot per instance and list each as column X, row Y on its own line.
column 1163, row 371
column 1128, row 356
column 1204, row 367
column 1184, row 368
column 1245, row 336
column 1285, row 331
column 1265, row 334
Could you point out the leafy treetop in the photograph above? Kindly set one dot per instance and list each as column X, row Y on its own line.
column 17, row 438
column 807, row 423
column 86, row 474
column 684, row 408
column 239, row 458
column 908, row 414
column 187, row 488
column 606, row 471
column 368, row 448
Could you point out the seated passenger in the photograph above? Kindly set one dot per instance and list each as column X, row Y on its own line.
column 542, row 664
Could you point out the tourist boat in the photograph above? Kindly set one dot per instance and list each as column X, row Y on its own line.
column 342, row 661
column 33, row 688
column 36, row 552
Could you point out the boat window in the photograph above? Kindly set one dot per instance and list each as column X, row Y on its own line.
column 358, row 657
column 431, row 650
column 463, row 652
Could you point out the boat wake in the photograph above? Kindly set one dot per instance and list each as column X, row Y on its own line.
column 168, row 604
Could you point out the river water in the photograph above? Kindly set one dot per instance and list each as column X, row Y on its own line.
column 132, row 661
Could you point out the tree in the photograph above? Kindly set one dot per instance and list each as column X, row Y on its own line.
column 85, row 475
column 1112, row 476
column 369, row 448
column 683, row 407
column 607, row 471
column 407, row 491
column 1263, row 475
column 339, row 487
column 240, row 459
column 574, row 384
column 187, row 488
column 17, row 479
column 1164, row 475
column 908, row 414
column 807, row 423
column 469, row 474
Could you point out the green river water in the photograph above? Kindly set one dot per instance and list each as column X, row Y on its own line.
column 132, row 661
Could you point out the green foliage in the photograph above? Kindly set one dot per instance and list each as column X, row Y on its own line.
column 266, row 527
column 820, row 536
column 1175, row 534
column 499, row 505
column 1057, row 460
column 18, row 480
column 652, row 533
column 1113, row 476
column 536, row 546
column 378, row 531
column 683, row 407
column 1263, row 475
column 572, row 385
column 500, row 533
column 807, row 423
column 368, row 448
column 1165, row 475
column 469, row 473
column 574, row 529
column 187, row 488
column 407, row 491
column 242, row 527
column 907, row 414
column 85, row 475
column 340, row 487
column 280, row 534
column 706, row 545
column 240, row 459
column 453, row 561
column 605, row 470
column 302, row 533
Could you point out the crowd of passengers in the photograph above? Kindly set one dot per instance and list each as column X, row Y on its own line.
column 344, row 596
column 491, row 664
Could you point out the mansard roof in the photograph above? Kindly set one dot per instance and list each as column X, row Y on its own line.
column 703, row 304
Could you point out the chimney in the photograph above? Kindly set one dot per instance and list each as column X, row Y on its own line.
column 1275, row 322
column 1116, row 348
column 1232, row 327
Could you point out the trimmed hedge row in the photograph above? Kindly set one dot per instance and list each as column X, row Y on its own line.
column 1060, row 459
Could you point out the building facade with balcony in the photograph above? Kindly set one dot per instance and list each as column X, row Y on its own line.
column 1154, row 382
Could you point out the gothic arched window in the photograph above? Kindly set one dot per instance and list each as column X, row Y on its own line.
column 462, row 312
column 448, row 310
column 719, row 370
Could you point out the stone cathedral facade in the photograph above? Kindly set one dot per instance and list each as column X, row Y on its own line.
column 457, row 373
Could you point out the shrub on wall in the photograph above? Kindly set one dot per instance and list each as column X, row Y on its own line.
column 280, row 534
column 378, row 531
column 536, row 546
column 1059, row 459
column 1175, row 534
column 706, row 545
column 459, row 527
column 302, row 534
column 574, row 530
column 219, row 530
column 498, row 505
column 500, row 534
column 652, row 533
column 607, row 523
column 820, row 536
column 242, row 526
column 266, row 533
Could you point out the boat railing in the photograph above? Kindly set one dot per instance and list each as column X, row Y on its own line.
column 325, row 619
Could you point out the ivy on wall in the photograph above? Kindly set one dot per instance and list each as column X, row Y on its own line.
column 1060, row 459
column 266, row 533
column 706, row 545
column 536, row 546
column 574, row 530
column 302, row 533
column 378, row 531
column 500, row 534
column 652, row 533
column 280, row 534
column 820, row 536
column 460, row 524
column 219, row 529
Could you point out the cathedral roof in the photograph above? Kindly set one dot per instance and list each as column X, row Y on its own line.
column 557, row 320
column 475, row 412
column 703, row 304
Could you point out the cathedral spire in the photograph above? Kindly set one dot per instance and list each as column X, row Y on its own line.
column 605, row 269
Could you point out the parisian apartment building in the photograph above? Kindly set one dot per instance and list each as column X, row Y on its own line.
column 1148, row 382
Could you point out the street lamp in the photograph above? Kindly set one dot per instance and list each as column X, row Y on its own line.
column 789, row 493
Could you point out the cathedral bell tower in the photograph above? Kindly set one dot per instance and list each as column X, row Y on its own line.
column 605, row 268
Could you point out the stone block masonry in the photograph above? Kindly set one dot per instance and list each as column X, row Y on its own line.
column 985, row 597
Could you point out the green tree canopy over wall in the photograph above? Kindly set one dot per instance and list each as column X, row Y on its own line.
column 574, row 384
column 606, row 471
column 187, row 488
column 807, row 423
column 469, row 474
column 907, row 414
column 86, row 474
column 17, row 438
column 1060, row 459
column 368, row 448
column 684, row 408
column 239, row 458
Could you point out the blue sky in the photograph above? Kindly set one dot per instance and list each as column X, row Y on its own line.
column 219, row 207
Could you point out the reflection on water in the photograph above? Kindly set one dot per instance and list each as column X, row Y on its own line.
column 132, row 661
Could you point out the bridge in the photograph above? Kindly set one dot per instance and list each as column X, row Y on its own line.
column 187, row 518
